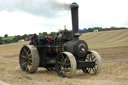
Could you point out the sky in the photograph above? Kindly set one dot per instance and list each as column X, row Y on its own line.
column 18, row 17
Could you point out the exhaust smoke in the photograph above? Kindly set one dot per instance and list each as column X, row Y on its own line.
column 47, row 8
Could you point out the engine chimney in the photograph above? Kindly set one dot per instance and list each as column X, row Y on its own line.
column 75, row 25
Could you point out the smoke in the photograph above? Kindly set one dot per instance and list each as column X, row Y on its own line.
column 61, row 6
column 47, row 8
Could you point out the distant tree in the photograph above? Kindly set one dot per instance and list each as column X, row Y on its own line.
column 52, row 33
column 29, row 35
column 6, row 35
column 98, row 28
column 106, row 29
column 17, row 37
column 90, row 29
column 123, row 28
column 24, row 36
column 44, row 33
column 40, row 34
column 85, row 29
column 0, row 40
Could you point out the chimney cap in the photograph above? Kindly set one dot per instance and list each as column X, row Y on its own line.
column 74, row 5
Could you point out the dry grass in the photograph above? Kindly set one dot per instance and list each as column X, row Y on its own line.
column 106, row 39
column 114, row 66
column 114, row 71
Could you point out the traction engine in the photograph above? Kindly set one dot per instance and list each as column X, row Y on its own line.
column 64, row 52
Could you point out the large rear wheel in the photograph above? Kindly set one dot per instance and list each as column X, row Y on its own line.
column 29, row 59
column 65, row 64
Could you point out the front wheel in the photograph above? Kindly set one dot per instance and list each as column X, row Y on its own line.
column 65, row 64
column 93, row 56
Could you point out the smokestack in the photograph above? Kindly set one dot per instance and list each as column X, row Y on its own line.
column 75, row 25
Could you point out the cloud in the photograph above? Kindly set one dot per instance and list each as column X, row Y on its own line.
column 46, row 8
column 51, row 15
column 19, row 23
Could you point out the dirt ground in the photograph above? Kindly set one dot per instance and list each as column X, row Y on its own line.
column 114, row 70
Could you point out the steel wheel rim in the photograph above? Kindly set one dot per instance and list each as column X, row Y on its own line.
column 91, row 57
column 26, row 59
column 64, row 65
column 93, row 70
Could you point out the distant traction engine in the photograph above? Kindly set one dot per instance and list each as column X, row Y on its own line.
column 64, row 52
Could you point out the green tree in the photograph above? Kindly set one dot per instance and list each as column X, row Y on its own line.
column 0, row 40
column 40, row 34
column 52, row 33
column 24, row 36
column 17, row 37
column 85, row 29
column 6, row 35
column 98, row 28
column 29, row 35
column 90, row 29
column 44, row 33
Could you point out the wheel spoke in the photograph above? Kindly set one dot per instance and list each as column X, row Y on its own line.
column 68, row 69
column 62, row 57
column 62, row 69
column 93, row 58
column 30, row 59
column 94, row 70
column 24, row 57
column 62, row 60
column 26, row 69
column 29, row 67
column 67, row 64
column 24, row 63
column 90, row 57
column 25, row 51
column 65, row 60
column 59, row 63
column 29, row 55
column 86, row 70
column 30, row 63
column 89, row 69
column 87, row 57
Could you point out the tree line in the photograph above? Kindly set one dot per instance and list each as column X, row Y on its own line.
column 7, row 39
column 104, row 29
column 11, row 39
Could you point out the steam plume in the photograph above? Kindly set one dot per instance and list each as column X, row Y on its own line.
column 37, row 7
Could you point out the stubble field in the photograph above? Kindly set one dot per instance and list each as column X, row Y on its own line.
column 114, row 70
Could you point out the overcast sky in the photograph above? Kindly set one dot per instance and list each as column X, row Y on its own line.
column 18, row 17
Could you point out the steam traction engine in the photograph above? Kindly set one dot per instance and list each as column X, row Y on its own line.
column 64, row 52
